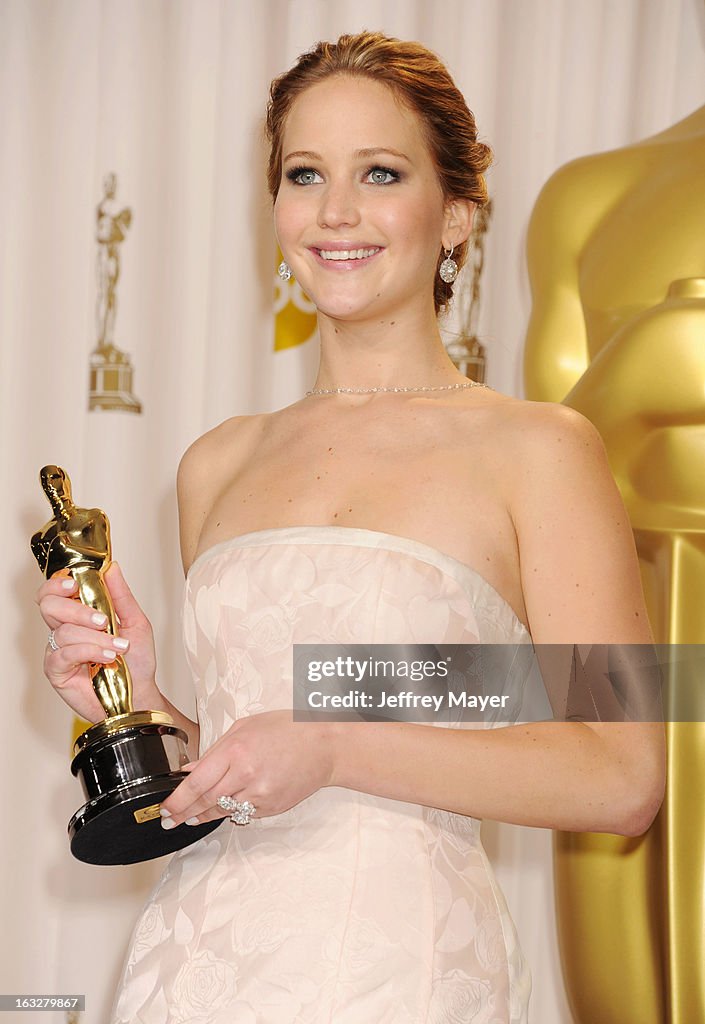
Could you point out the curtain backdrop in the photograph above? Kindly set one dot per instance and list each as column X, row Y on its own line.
column 169, row 95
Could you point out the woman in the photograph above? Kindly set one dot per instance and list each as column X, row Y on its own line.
column 358, row 889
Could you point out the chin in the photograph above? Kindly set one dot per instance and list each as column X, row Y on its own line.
column 337, row 309
column 357, row 308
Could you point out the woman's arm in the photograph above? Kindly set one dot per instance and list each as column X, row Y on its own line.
column 206, row 467
column 577, row 777
column 181, row 722
column 198, row 480
column 581, row 584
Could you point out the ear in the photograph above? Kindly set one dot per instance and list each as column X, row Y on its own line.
column 457, row 227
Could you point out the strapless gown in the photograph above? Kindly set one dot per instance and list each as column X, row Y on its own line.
column 348, row 908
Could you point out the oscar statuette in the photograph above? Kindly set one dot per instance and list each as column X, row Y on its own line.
column 132, row 760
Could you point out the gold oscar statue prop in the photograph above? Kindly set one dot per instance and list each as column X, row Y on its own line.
column 110, row 369
column 618, row 332
column 132, row 760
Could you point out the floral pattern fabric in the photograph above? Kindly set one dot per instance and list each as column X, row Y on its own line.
column 347, row 908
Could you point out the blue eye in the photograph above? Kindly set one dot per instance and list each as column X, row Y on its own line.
column 302, row 175
column 383, row 175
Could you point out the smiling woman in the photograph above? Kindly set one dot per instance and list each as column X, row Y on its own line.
column 437, row 143
column 397, row 502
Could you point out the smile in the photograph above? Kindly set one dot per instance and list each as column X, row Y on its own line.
column 346, row 254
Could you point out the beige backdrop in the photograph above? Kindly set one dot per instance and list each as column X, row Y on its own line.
column 169, row 94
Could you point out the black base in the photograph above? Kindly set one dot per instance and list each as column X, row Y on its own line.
column 105, row 831
column 127, row 765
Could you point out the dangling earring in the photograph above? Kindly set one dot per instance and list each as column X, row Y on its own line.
column 284, row 270
column 448, row 269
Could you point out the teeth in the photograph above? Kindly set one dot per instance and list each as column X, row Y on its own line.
column 347, row 254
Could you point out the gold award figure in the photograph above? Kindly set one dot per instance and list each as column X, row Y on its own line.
column 77, row 541
column 132, row 760
column 617, row 332
column 111, row 371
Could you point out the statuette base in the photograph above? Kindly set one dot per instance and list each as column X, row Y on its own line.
column 111, row 382
column 127, row 765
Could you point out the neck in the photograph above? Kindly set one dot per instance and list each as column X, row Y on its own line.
column 386, row 353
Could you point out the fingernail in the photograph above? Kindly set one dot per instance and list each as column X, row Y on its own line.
column 99, row 618
column 121, row 643
column 68, row 584
column 168, row 823
column 164, row 813
column 192, row 821
column 109, row 654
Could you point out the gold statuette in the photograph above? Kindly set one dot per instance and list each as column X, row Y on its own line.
column 111, row 370
column 131, row 760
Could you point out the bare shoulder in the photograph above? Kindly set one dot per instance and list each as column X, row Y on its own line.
column 215, row 444
column 205, row 468
column 538, row 429
column 553, row 450
column 535, row 424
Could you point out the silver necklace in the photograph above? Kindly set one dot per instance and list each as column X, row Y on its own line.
column 417, row 387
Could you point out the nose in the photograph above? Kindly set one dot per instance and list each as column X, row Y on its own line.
column 339, row 206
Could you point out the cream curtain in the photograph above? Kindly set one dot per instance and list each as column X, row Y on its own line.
column 169, row 94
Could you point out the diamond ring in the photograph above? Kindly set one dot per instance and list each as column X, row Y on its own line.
column 52, row 642
column 242, row 810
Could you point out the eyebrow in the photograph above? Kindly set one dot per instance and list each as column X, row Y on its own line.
column 374, row 151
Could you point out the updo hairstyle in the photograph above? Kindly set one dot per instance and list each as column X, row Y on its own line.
column 421, row 82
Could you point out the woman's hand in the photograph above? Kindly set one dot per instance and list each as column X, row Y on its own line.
column 82, row 640
column 267, row 759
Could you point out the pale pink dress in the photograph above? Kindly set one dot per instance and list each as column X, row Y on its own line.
column 348, row 908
